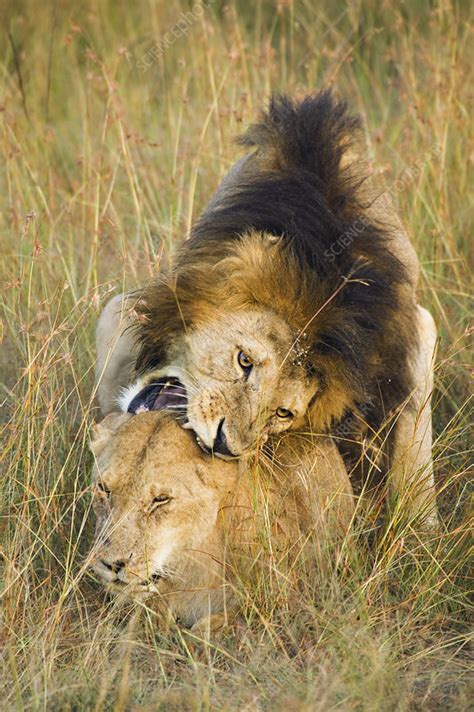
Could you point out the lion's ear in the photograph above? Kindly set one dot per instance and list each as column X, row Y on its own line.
column 274, row 239
column 103, row 431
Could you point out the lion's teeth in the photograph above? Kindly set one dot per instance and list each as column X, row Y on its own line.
column 187, row 426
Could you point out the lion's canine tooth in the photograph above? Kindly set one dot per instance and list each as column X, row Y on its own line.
column 187, row 426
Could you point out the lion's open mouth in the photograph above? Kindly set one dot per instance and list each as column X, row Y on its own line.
column 167, row 393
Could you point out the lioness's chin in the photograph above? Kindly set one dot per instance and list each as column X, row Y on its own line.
column 135, row 588
column 139, row 591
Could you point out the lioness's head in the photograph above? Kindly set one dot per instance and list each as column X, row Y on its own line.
column 156, row 500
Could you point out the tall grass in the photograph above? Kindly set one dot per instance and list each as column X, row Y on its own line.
column 104, row 167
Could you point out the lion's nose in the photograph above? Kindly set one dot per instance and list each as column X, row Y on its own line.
column 220, row 442
column 115, row 566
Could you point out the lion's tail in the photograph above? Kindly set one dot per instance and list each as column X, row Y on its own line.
column 311, row 136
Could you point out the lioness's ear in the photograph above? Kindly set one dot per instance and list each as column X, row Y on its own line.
column 103, row 431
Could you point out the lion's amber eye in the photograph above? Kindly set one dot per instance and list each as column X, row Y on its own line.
column 245, row 362
column 159, row 501
column 284, row 413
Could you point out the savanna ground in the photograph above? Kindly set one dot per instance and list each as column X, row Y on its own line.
column 106, row 161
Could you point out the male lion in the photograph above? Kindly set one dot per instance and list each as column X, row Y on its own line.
column 291, row 307
column 175, row 522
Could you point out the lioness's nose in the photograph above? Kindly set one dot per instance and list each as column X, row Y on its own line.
column 115, row 566
column 220, row 441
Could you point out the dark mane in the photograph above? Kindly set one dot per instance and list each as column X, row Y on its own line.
column 294, row 184
column 297, row 185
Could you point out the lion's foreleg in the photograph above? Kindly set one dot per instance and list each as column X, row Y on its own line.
column 412, row 464
column 116, row 351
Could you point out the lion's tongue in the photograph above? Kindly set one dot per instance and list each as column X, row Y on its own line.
column 163, row 394
column 172, row 394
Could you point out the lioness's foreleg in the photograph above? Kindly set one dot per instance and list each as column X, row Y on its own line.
column 116, row 351
column 411, row 463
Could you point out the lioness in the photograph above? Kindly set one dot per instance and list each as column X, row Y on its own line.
column 292, row 307
column 175, row 522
